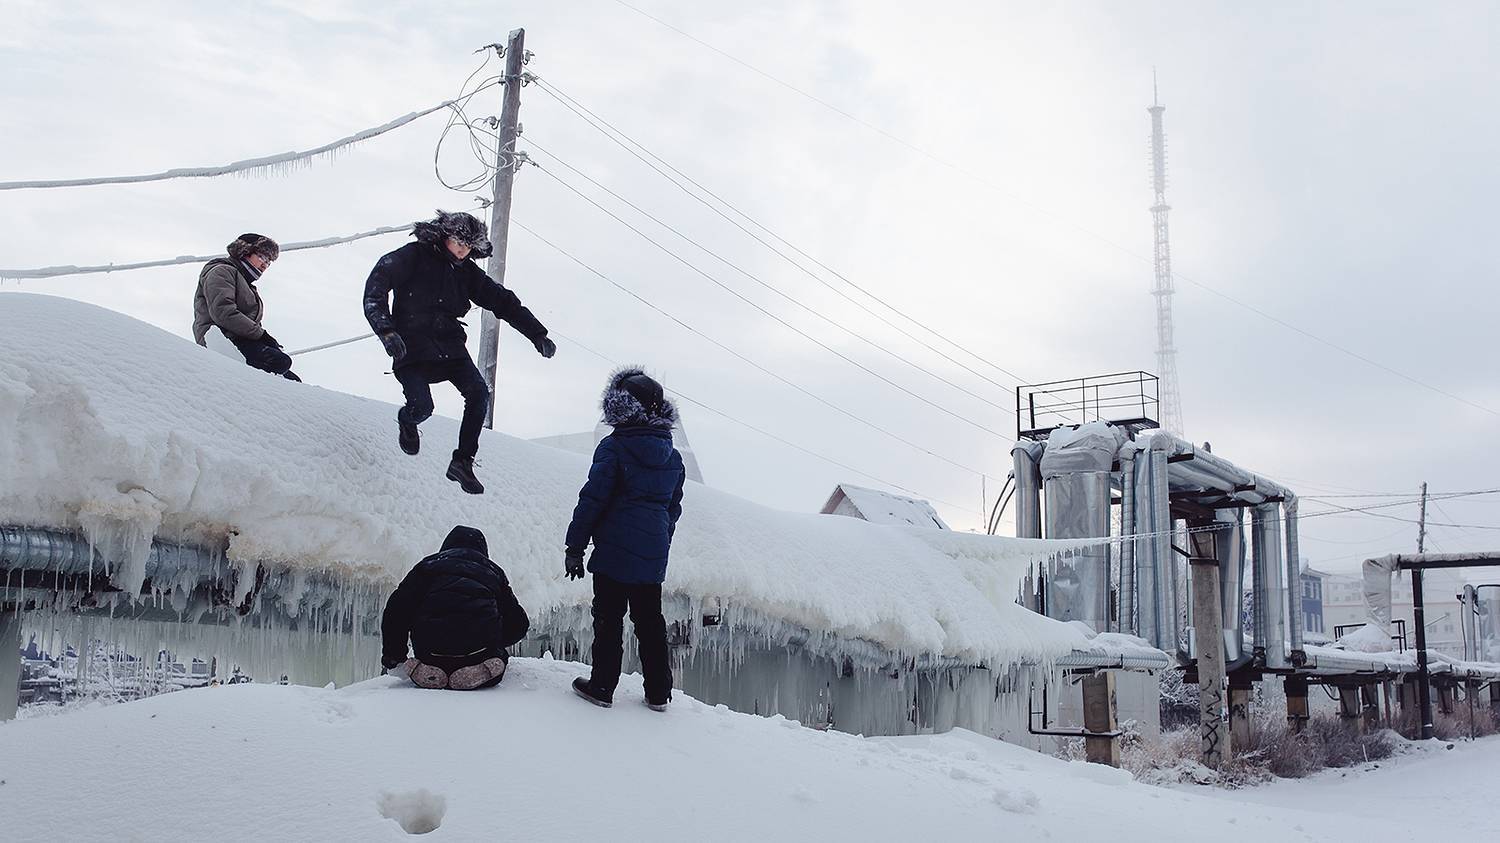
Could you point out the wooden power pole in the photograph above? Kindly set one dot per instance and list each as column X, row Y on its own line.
column 505, row 173
column 1422, row 523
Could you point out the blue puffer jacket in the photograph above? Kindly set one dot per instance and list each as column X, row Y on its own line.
column 630, row 505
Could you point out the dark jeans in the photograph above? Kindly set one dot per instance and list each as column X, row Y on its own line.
column 267, row 358
column 611, row 598
column 416, row 384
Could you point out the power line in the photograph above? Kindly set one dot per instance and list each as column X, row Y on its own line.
column 609, row 130
column 737, row 355
column 771, row 315
column 807, row 308
column 1100, row 237
column 776, row 438
column 269, row 163
column 56, row 271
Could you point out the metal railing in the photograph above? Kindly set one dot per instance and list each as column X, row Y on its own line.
column 1127, row 399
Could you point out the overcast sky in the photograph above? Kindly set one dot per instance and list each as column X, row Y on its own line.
column 1331, row 164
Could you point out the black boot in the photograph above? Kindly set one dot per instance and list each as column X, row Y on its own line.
column 582, row 688
column 462, row 470
column 410, row 439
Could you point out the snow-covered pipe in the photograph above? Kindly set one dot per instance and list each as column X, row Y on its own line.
column 62, row 554
column 1293, row 574
column 1230, row 545
column 1076, row 468
column 1127, row 546
column 1026, row 456
column 1155, row 562
column 1270, row 594
column 1470, row 609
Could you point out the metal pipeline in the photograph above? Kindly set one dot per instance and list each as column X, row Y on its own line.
column 1293, row 576
column 1027, row 493
column 1155, row 560
column 59, row 554
column 1270, row 595
column 1230, row 546
column 1127, row 545
column 1468, row 623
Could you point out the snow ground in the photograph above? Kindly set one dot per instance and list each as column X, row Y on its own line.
column 527, row 760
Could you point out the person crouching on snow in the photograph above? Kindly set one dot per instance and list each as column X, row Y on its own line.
column 460, row 613
column 435, row 281
column 629, row 508
column 226, row 299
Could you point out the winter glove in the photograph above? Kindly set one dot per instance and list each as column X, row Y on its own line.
column 266, row 337
column 545, row 347
column 573, row 564
column 394, row 345
column 390, row 662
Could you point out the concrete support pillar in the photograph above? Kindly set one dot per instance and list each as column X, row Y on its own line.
column 10, row 664
column 1297, row 710
column 1370, row 700
column 1239, row 713
column 1351, row 714
column 1208, row 631
column 1495, row 699
column 1099, row 716
column 1445, row 699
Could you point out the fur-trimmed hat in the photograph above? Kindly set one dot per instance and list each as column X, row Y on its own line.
column 249, row 243
column 633, row 397
column 465, row 228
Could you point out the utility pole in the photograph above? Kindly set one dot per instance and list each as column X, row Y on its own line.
column 1422, row 523
column 505, row 173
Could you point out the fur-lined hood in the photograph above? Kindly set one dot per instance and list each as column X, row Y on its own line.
column 463, row 227
column 633, row 399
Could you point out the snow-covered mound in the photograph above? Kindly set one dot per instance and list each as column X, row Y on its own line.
column 529, row 761
column 124, row 431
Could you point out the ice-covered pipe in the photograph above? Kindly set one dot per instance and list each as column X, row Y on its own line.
column 1027, row 455
column 1230, row 546
column 1127, row 546
column 1293, row 575
column 1155, row 562
column 1270, row 593
column 1076, row 469
column 1470, row 609
column 66, row 554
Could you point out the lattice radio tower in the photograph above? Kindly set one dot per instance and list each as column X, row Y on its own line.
column 1166, row 351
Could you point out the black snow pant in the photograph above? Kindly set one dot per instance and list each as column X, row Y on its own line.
column 267, row 357
column 611, row 597
column 416, row 384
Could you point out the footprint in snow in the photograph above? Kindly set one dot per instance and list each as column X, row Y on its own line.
column 417, row 811
column 1020, row 801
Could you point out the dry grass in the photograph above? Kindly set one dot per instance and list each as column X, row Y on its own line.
column 1274, row 751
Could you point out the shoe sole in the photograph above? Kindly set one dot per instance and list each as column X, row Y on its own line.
column 598, row 702
column 654, row 706
column 414, row 447
column 459, row 480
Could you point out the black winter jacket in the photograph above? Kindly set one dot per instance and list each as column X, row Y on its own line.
column 432, row 292
column 452, row 604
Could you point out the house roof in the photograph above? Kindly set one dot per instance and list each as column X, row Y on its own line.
column 879, row 507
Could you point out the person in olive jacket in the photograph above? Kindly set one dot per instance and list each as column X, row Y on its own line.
column 227, row 299
column 460, row 614
column 434, row 281
column 629, row 508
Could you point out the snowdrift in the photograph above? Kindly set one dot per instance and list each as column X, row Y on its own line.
column 125, row 432
column 528, row 761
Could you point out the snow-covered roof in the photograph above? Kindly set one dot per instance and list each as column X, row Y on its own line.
column 126, row 432
column 879, row 507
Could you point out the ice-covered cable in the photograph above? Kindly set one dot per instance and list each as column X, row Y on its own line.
column 55, row 271
column 269, row 163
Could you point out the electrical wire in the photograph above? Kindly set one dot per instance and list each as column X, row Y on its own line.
column 799, row 304
column 771, row 315
column 1039, row 209
column 737, row 355
column 625, row 141
column 699, row 404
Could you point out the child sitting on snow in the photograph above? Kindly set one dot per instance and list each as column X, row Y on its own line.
column 460, row 613
column 629, row 507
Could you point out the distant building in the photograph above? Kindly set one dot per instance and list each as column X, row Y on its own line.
column 882, row 508
column 1343, row 605
column 1312, row 601
column 584, row 443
